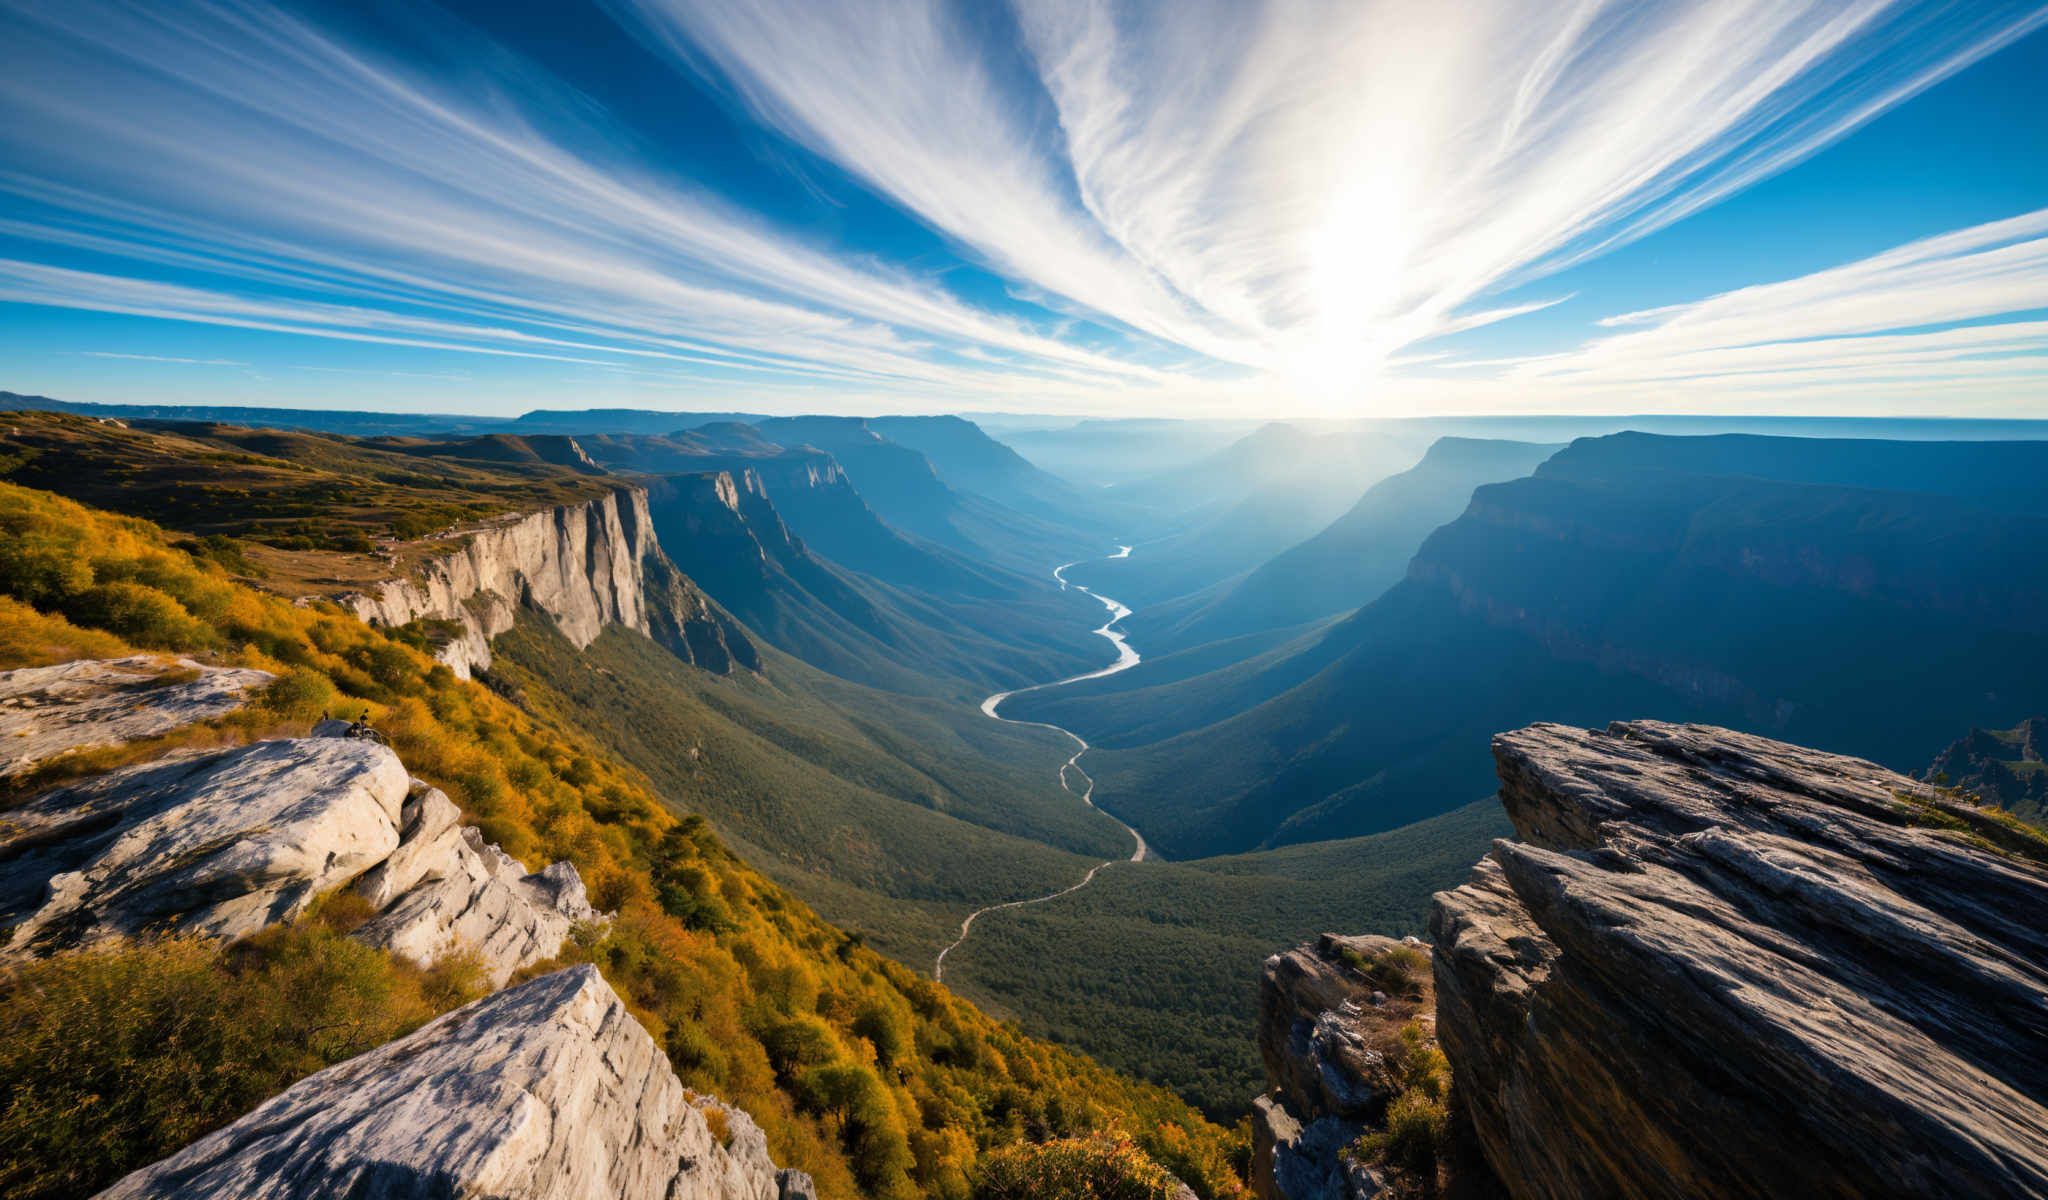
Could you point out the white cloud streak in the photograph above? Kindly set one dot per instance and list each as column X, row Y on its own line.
column 1306, row 186
column 336, row 195
column 1923, row 311
column 1262, row 197
column 162, row 358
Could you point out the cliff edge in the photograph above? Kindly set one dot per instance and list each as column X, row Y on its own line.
column 586, row 565
column 1715, row 964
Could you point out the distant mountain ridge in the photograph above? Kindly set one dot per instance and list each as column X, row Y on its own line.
column 1353, row 559
column 2005, row 767
column 1613, row 579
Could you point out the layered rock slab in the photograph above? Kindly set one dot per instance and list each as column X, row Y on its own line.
column 547, row 1090
column 49, row 711
column 224, row 843
column 1716, row 964
column 214, row 845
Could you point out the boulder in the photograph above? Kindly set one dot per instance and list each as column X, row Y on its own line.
column 217, row 844
column 446, row 890
column 223, row 843
column 473, row 896
column 1716, row 964
column 547, row 1090
column 49, row 711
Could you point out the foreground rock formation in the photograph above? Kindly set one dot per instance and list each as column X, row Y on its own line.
column 49, row 711
column 216, row 845
column 586, row 565
column 221, row 844
column 550, row 1089
column 1715, row 964
column 1325, row 1028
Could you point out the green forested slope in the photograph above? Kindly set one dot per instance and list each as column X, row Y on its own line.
column 895, row 814
column 1154, row 967
column 878, row 1082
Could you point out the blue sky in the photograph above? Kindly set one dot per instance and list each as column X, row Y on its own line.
column 1198, row 207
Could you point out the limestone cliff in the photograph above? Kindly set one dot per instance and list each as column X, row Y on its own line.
column 586, row 565
column 1715, row 964
column 550, row 1089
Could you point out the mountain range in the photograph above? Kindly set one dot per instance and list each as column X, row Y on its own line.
column 1329, row 620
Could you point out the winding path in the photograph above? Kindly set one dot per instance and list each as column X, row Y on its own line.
column 1126, row 658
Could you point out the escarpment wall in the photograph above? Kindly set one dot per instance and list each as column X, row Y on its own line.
column 580, row 563
column 586, row 565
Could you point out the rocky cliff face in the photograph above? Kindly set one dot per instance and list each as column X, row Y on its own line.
column 2005, row 767
column 1318, row 1017
column 550, row 1089
column 586, row 565
column 1355, row 1084
column 1715, row 964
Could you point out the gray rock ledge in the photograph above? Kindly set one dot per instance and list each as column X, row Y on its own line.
column 546, row 1091
column 49, row 711
column 1719, row 965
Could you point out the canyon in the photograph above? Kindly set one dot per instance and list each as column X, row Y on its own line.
column 585, row 565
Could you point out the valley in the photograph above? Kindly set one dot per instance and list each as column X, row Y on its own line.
column 847, row 657
column 1126, row 658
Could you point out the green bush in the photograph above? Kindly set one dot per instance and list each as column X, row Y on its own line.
column 141, row 614
column 1414, row 1137
column 185, row 1037
column 1073, row 1169
column 301, row 695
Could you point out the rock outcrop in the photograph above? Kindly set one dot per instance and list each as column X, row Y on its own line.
column 1323, row 1029
column 2005, row 767
column 221, row 844
column 216, row 845
column 470, row 895
column 1716, row 964
column 550, row 1089
column 586, row 565
column 49, row 711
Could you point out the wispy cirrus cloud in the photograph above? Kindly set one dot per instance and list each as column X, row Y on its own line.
column 1919, row 313
column 297, row 183
column 1306, row 187
column 164, row 358
column 1193, row 203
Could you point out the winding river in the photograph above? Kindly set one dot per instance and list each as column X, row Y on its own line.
column 1126, row 658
